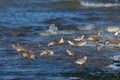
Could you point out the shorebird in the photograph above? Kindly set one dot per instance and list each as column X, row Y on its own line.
column 117, row 45
column 25, row 53
column 79, row 38
column 98, row 47
column 81, row 61
column 43, row 52
column 71, row 43
column 51, row 43
column 61, row 41
column 116, row 33
column 94, row 37
column 18, row 47
column 81, row 43
column 70, row 52
column 106, row 43
column 50, row 52
column 31, row 54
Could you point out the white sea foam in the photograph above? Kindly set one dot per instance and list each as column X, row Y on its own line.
column 113, row 66
column 112, row 29
column 90, row 4
column 53, row 30
column 116, row 57
column 86, row 27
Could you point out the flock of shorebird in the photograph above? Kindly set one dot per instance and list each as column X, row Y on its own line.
column 78, row 41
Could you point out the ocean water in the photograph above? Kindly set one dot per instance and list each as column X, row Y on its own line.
column 45, row 20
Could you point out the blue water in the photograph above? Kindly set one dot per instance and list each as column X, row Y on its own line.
column 36, row 13
column 28, row 18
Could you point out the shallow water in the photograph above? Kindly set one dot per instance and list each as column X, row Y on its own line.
column 29, row 18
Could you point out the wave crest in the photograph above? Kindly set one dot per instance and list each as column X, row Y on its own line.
column 90, row 4
column 112, row 28
column 53, row 30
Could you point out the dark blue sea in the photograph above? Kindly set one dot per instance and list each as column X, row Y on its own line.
column 29, row 21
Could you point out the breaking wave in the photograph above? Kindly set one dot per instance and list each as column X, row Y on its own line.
column 99, row 4
column 86, row 27
column 112, row 28
column 53, row 30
